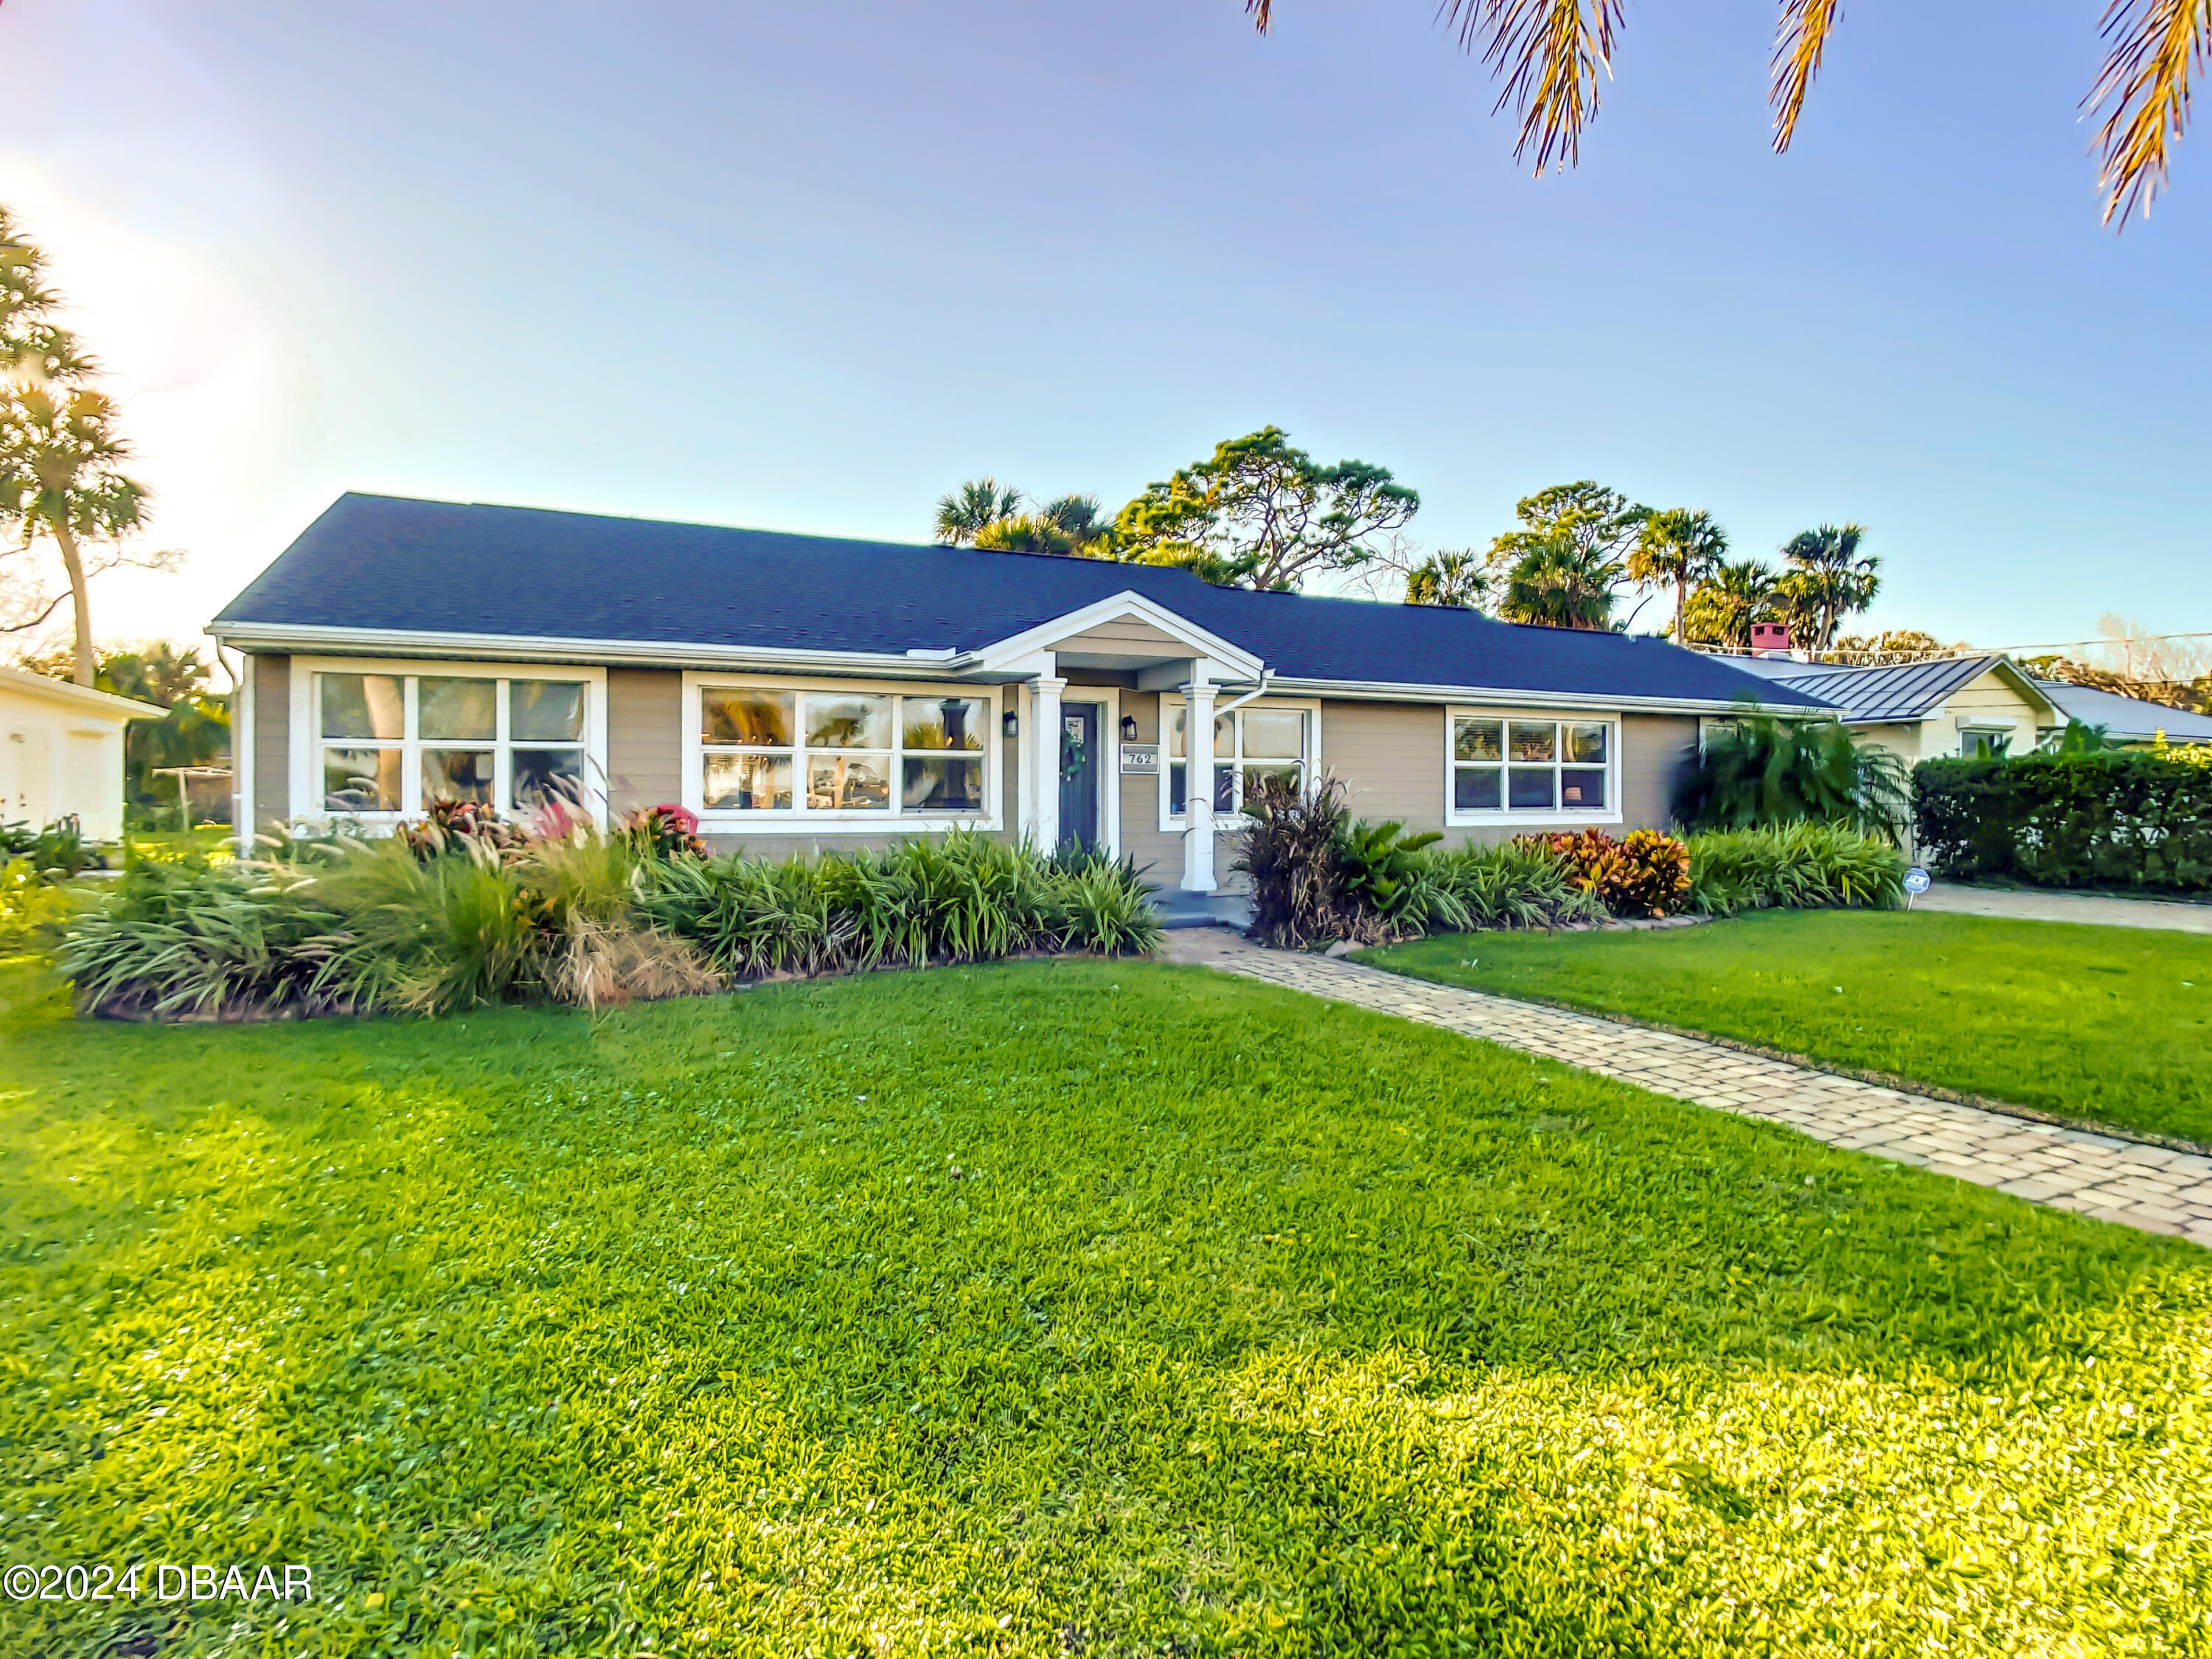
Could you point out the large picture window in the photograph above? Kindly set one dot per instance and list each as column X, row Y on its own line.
column 388, row 745
column 1504, row 766
column 1257, row 741
column 842, row 753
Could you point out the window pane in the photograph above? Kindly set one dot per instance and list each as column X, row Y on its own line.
column 943, row 723
column 1478, row 740
column 456, row 708
column 1274, row 734
column 1253, row 774
column 1582, row 791
column 1530, row 788
column 457, row 774
column 849, row 783
column 1224, row 789
column 1475, row 789
column 943, row 785
column 1586, row 743
column 848, row 722
column 760, row 718
column 545, row 710
column 1178, row 788
column 548, row 775
column 747, row 783
column 1534, row 741
column 363, row 706
column 361, row 780
column 1175, row 734
column 1225, row 737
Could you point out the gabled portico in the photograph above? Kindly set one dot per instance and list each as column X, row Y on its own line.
column 1129, row 637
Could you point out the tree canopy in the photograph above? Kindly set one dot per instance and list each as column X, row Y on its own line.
column 1261, row 513
column 1452, row 578
column 1678, row 548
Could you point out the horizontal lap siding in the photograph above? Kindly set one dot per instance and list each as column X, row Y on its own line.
column 645, row 737
column 1655, row 751
column 273, row 740
column 1157, row 852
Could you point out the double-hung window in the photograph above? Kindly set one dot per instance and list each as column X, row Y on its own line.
column 389, row 744
column 1249, row 743
column 1506, row 766
column 843, row 754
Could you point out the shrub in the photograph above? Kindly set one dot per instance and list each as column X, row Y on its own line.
column 1646, row 875
column 1800, row 866
column 1514, row 886
column 1288, row 849
column 2126, row 819
column 32, row 907
column 667, row 831
column 1759, row 772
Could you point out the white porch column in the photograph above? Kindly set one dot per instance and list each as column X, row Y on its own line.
column 1197, row 787
column 1044, row 758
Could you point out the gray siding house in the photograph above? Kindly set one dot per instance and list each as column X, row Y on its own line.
column 804, row 692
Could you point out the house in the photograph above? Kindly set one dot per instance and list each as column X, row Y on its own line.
column 2132, row 722
column 61, row 752
column 803, row 692
column 1956, row 706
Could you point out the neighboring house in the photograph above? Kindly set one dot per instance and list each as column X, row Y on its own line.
column 803, row 692
column 1956, row 706
column 61, row 752
column 2135, row 722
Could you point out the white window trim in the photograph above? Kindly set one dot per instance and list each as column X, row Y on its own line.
column 798, row 819
column 1552, row 820
column 1171, row 702
column 307, row 739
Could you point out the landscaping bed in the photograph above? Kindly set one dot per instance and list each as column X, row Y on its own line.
column 1047, row 1309
column 2110, row 1026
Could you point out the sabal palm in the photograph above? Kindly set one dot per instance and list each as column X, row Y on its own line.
column 1681, row 545
column 1454, row 579
column 1828, row 579
column 973, row 508
column 1558, row 584
column 60, row 474
column 1723, row 606
column 1551, row 55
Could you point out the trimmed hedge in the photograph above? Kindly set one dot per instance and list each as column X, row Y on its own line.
column 2111, row 820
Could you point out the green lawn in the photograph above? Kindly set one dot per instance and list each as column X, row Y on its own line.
column 1051, row 1309
column 2108, row 1024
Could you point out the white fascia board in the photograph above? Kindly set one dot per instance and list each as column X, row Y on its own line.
column 511, row 648
column 1234, row 660
column 84, row 698
column 1491, row 696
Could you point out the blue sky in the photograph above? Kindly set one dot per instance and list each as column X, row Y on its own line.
column 807, row 267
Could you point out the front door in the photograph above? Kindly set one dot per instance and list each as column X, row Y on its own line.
column 1080, row 768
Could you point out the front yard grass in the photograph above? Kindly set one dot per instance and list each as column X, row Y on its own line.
column 2111, row 1025
column 1050, row 1309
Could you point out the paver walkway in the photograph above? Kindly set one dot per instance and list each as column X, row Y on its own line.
column 2148, row 1187
column 2091, row 908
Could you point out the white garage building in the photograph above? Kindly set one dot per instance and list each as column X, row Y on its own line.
column 61, row 752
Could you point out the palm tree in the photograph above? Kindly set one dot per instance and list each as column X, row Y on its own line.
column 1829, row 579
column 60, row 459
column 1557, row 584
column 1553, row 55
column 974, row 508
column 1722, row 607
column 1678, row 545
column 1453, row 578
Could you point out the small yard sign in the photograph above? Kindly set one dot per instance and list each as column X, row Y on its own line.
column 1141, row 760
column 1916, row 883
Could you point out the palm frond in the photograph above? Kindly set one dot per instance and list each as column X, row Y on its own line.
column 1258, row 11
column 1551, row 54
column 2156, row 46
column 1799, row 41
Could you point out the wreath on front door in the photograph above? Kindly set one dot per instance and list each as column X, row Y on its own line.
column 1073, row 752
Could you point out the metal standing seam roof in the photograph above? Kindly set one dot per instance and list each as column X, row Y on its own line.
column 393, row 563
column 1900, row 691
column 2135, row 719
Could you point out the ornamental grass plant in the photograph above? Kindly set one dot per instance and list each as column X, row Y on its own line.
column 1798, row 866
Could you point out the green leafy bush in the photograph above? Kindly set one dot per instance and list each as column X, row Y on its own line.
column 1646, row 875
column 1514, row 886
column 2122, row 819
column 1757, row 772
column 1800, row 866
column 32, row 907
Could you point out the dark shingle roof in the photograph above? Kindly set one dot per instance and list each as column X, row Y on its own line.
column 386, row 562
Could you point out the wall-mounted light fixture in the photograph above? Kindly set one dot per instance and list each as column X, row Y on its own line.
column 1128, row 728
column 1010, row 724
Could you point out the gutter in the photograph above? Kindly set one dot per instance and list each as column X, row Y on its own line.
column 1387, row 691
column 516, row 647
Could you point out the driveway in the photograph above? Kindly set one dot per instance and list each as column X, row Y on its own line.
column 2091, row 908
